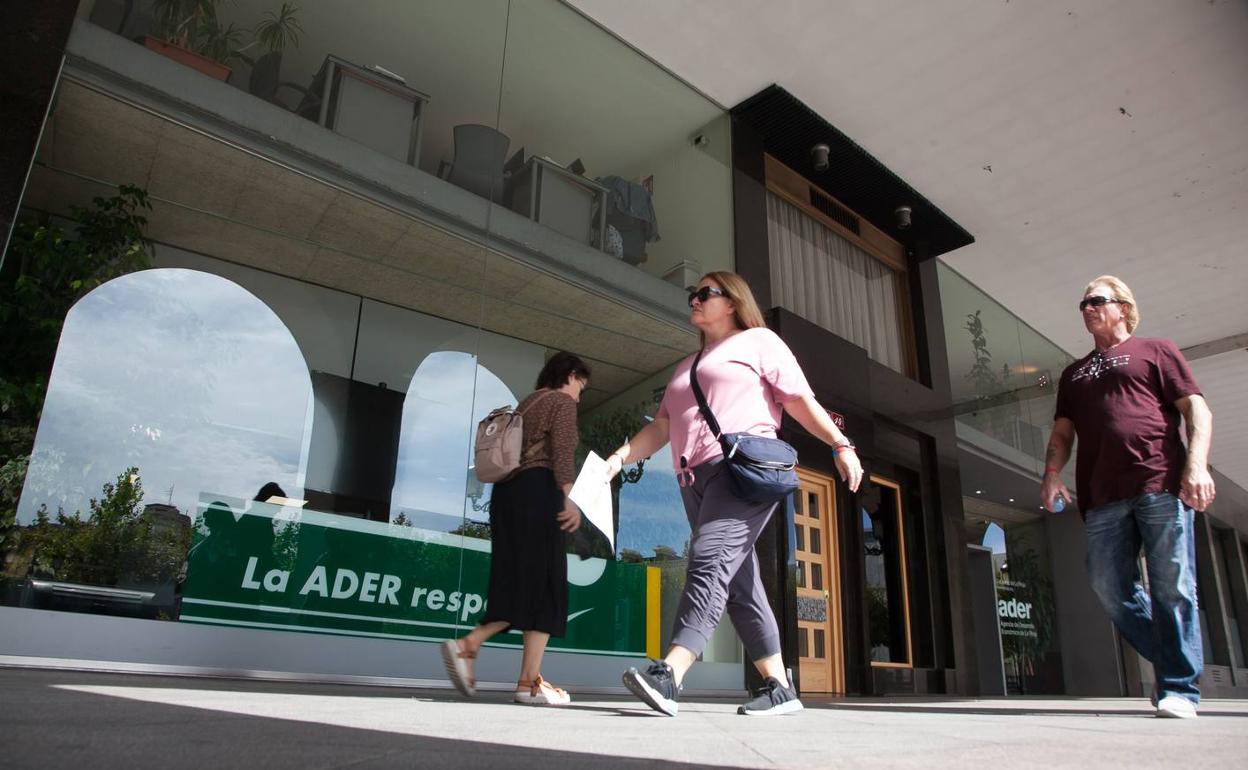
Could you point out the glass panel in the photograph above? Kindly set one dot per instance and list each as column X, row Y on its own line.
column 1003, row 373
column 797, row 504
column 886, row 596
column 654, row 153
column 819, row 644
column 1026, row 608
column 801, row 574
column 801, row 537
column 816, row 540
column 331, row 352
column 816, row 576
column 803, row 646
column 812, row 505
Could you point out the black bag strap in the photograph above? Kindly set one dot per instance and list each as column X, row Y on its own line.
column 704, row 407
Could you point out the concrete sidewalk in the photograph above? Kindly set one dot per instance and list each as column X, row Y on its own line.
column 97, row 721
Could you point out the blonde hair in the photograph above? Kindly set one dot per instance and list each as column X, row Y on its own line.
column 1123, row 294
column 737, row 291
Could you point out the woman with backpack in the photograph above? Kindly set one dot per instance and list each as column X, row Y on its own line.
column 529, row 515
column 721, row 413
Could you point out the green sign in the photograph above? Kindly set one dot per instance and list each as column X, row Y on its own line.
column 266, row 566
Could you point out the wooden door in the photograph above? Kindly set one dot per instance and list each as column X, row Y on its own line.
column 819, row 630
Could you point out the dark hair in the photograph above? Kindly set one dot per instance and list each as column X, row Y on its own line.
column 561, row 368
column 270, row 489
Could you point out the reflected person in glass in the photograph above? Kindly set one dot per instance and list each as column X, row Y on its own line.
column 530, row 514
column 749, row 377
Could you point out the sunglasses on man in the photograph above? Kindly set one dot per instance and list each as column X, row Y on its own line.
column 1097, row 301
column 705, row 293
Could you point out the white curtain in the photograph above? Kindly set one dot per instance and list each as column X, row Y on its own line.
column 829, row 281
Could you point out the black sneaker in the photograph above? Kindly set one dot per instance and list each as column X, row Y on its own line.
column 772, row 699
column 656, row 686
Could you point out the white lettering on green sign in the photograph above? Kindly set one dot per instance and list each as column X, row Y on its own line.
column 373, row 588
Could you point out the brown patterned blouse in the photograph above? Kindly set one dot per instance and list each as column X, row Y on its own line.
column 550, row 434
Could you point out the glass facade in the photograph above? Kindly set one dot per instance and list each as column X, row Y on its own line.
column 887, row 594
column 1026, row 605
column 370, row 229
column 1003, row 375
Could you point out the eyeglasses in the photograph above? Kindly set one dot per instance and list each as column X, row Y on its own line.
column 705, row 293
column 1098, row 301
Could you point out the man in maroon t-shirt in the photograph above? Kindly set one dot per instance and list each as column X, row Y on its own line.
column 1137, row 485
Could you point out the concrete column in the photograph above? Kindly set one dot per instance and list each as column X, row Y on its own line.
column 1091, row 663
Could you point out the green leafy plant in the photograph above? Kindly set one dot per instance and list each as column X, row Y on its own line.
column 116, row 544
column 602, row 433
column 992, row 390
column 279, row 29
column 191, row 24
column 46, row 270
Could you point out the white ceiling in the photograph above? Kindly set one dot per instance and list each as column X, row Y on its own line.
column 1071, row 139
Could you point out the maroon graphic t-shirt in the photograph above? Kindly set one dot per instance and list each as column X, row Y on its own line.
column 1121, row 402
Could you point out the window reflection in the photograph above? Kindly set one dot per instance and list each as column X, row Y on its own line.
column 167, row 384
column 434, row 448
column 182, row 374
column 883, row 543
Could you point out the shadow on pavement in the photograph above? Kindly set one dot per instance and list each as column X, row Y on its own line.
column 48, row 726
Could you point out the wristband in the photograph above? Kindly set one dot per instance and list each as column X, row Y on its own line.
column 847, row 444
column 1052, row 469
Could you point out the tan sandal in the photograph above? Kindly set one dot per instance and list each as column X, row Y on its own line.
column 539, row 692
column 457, row 658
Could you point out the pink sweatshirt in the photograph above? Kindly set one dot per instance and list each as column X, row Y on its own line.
column 746, row 378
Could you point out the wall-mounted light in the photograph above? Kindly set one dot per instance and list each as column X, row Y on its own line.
column 819, row 156
column 901, row 215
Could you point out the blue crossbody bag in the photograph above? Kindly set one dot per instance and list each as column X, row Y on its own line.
column 763, row 470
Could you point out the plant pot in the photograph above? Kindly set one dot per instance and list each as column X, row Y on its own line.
column 195, row 61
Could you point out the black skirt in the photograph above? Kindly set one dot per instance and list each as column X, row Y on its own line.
column 528, row 563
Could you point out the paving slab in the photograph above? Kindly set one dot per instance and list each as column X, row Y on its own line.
column 95, row 721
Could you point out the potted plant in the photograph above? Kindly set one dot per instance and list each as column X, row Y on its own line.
column 274, row 32
column 189, row 32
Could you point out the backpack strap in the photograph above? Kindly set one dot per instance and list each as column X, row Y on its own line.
column 703, row 407
column 520, row 413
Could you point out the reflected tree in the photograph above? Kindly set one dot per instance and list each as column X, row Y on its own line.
column 47, row 269
column 602, row 433
column 117, row 544
column 992, row 389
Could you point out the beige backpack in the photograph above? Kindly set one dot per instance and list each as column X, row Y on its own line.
column 500, row 440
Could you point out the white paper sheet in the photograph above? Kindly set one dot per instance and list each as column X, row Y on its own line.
column 592, row 494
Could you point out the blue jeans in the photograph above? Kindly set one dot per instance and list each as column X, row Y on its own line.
column 1163, row 628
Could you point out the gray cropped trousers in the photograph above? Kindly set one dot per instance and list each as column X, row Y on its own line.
column 723, row 568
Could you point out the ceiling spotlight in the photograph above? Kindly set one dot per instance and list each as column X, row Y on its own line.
column 819, row 156
column 979, row 491
column 1011, row 499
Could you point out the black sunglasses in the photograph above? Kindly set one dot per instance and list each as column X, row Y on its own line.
column 705, row 293
column 1097, row 301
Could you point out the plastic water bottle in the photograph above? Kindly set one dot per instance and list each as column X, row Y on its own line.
column 1059, row 504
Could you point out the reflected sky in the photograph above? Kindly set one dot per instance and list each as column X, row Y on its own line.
column 651, row 511
column 181, row 373
column 191, row 378
column 439, row 415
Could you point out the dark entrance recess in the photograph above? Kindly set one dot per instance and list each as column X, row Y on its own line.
column 903, row 426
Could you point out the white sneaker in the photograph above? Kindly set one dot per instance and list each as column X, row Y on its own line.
column 1176, row 707
column 541, row 693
